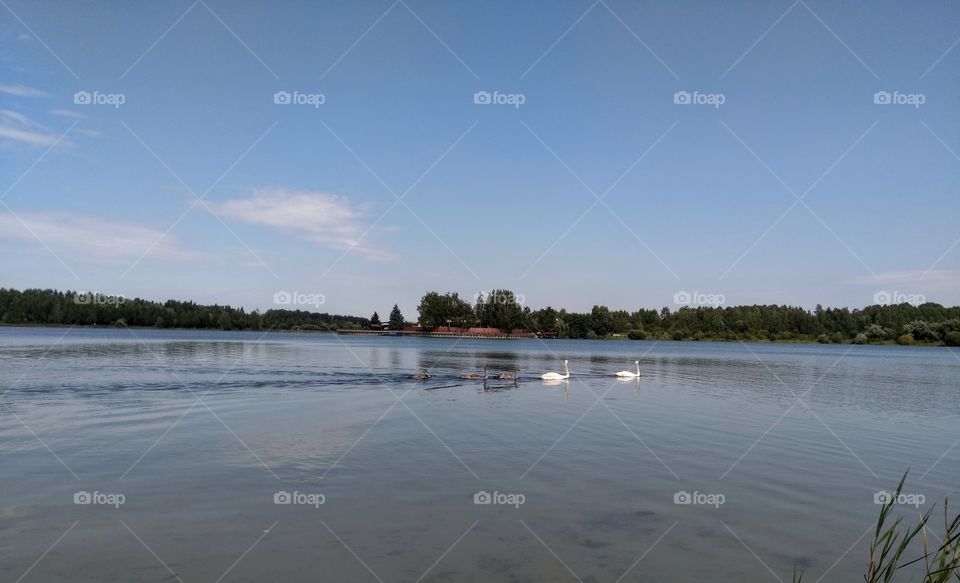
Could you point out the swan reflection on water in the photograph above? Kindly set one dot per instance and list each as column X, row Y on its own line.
column 632, row 380
column 565, row 383
column 512, row 377
column 556, row 382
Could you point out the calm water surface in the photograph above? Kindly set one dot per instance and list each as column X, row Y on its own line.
column 199, row 431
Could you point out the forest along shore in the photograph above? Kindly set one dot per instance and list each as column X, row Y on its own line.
column 500, row 314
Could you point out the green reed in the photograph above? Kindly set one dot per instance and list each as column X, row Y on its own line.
column 892, row 539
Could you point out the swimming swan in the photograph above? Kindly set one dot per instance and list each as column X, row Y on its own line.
column 421, row 376
column 555, row 376
column 626, row 374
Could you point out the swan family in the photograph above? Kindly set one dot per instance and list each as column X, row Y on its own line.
column 514, row 376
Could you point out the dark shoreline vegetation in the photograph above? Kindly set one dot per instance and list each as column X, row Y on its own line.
column 35, row 307
column 927, row 324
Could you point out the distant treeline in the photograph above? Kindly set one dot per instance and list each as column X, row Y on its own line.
column 50, row 307
column 928, row 323
column 903, row 323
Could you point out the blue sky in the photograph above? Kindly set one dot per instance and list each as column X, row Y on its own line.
column 304, row 196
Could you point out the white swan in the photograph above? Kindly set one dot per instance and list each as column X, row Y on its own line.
column 626, row 374
column 555, row 376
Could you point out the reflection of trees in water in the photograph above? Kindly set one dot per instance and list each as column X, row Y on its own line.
column 601, row 359
column 139, row 347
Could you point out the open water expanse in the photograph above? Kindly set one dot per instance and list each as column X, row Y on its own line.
column 152, row 455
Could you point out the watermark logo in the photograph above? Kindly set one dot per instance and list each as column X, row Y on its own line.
column 897, row 98
column 500, row 299
column 696, row 298
column 699, row 499
column 697, row 98
column 903, row 499
column 295, row 298
column 296, row 498
column 485, row 498
column 888, row 298
column 99, row 299
column 99, row 498
column 298, row 98
column 497, row 98
column 98, row 98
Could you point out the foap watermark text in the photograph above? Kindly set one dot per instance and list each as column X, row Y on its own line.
column 897, row 98
column 299, row 98
column 892, row 298
column 497, row 98
column 99, row 299
column 695, row 498
column 96, row 498
column 499, row 498
column 98, row 98
column 903, row 499
column 697, row 98
column 295, row 498
column 296, row 298
column 696, row 298
column 499, row 298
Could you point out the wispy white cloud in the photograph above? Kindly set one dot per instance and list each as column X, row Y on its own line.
column 9, row 116
column 92, row 238
column 30, row 137
column 328, row 220
column 23, row 91
column 16, row 127
column 68, row 113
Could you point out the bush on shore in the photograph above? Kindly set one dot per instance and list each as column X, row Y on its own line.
column 636, row 334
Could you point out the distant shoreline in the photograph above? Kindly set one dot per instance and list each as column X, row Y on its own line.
column 109, row 327
column 616, row 337
column 499, row 314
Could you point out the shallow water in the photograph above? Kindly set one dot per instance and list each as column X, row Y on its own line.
column 199, row 430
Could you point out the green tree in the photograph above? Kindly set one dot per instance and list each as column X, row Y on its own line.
column 499, row 309
column 396, row 318
column 601, row 321
column 576, row 325
column 876, row 332
column 620, row 321
column 375, row 320
column 438, row 309
column 544, row 319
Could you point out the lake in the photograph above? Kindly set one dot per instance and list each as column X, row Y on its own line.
column 152, row 455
